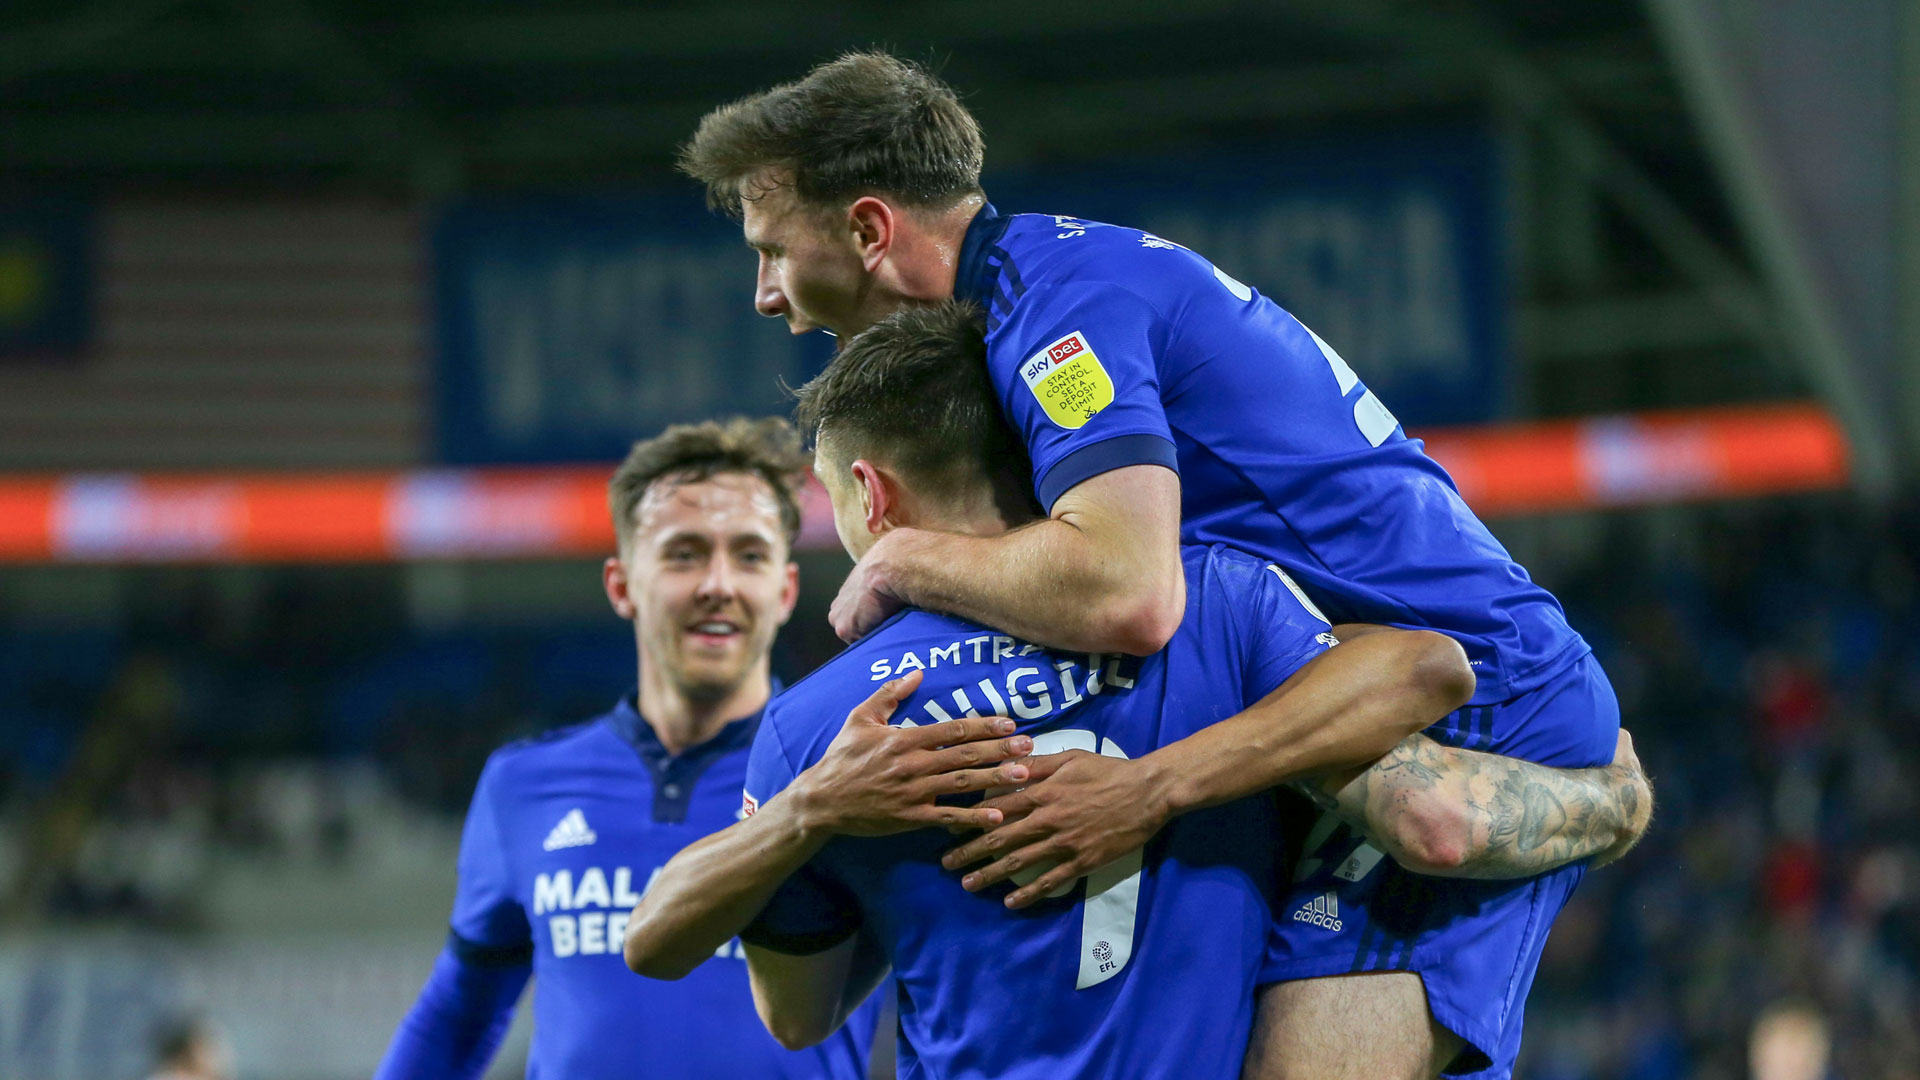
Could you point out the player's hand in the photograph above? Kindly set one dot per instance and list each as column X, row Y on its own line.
column 1080, row 812
column 866, row 598
column 877, row 779
column 1633, row 798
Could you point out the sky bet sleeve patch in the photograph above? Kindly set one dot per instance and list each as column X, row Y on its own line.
column 1068, row 380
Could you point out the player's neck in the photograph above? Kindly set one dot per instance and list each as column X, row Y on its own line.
column 976, row 521
column 976, row 511
column 926, row 258
column 682, row 721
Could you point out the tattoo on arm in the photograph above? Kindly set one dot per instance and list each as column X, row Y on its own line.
column 1469, row 814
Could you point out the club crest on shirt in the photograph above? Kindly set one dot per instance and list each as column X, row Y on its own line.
column 1068, row 381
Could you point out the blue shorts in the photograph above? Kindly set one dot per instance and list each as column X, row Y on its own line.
column 1474, row 944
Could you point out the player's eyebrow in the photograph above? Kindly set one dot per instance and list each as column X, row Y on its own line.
column 684, row 536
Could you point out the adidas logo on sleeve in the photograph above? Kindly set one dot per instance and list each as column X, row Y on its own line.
column 571, row 832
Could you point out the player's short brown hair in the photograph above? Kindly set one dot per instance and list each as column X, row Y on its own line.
column 913, row 390
column 769, row 448
column 867, row 123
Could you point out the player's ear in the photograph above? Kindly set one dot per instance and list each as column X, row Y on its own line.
column 613, row 577
column 871, row 223
column 879, row 503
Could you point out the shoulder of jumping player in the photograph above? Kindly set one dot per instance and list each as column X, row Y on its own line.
column 1050, row 250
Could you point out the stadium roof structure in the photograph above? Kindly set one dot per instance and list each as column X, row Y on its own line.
column 450, row 93
column 1648, row 253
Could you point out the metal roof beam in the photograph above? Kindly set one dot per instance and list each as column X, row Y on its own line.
column 1806, row 321
column 1021, row 119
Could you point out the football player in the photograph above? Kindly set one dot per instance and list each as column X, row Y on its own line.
column 1164, row 401
column 1146, row 966
column 567, row 828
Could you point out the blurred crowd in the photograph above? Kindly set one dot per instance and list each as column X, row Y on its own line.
column 1767, row 658
column 132, row 760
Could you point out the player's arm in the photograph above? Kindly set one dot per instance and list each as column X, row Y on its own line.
column 802, row 999
column 463, row 1011
column 1344, row 707
column 1101, row 574
column 1458, row 813
column 873, row 780
column 714, row 887
column 456, row 1025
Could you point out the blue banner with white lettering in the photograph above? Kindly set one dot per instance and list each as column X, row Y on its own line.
column 46, row 276
column 569, row 328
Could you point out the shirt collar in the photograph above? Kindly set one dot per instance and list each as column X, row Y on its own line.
column 674, row 777
column 973, row 278
column 627, row 722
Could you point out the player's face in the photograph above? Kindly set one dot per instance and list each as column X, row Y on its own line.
column 709, row 580
column 810, row 272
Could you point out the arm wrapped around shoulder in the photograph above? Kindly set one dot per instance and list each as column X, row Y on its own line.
column 1460, row 813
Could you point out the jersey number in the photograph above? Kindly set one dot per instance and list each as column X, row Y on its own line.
column 1370, row 414
column 1112, row 904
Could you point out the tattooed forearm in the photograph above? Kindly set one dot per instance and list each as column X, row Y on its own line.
column 1412, row 765
column 1440, row 810
column 1543, row 817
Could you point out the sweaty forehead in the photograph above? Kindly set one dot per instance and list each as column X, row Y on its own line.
column 725, row 503
column 777, row 212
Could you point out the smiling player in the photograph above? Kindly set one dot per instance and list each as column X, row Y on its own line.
column 567, row 828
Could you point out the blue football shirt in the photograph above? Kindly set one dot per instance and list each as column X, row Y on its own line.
column 1113, row 347
column 1146, row 967
column 564, row 834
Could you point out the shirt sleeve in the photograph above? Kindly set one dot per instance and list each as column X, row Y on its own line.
column 1074, row 366
column 769, row 767
column 456, row 1025
column 1284, row 630
column 811, row 911
column 489, row 921
column 465, row 1007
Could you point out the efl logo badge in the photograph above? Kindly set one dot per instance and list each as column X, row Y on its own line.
column 1068, row 381
column 748, row 804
